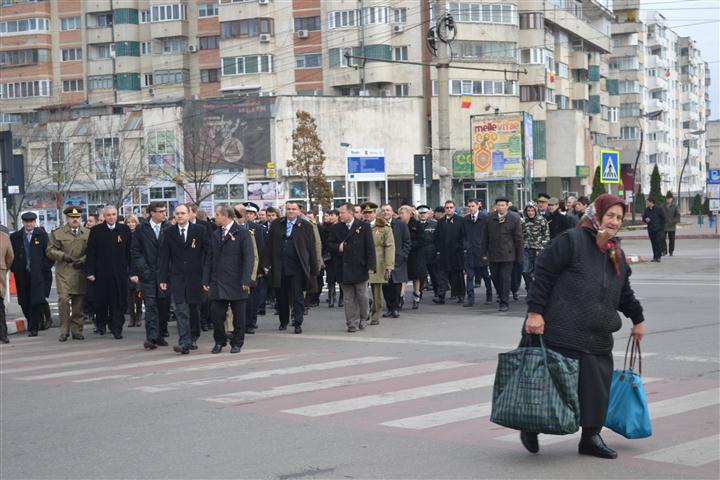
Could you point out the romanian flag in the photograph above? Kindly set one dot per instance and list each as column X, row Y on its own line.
column 552, row 76
column 466, row 101
column 667, row 73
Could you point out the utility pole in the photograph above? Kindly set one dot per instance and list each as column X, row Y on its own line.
column 362, row 47
column 443, row 114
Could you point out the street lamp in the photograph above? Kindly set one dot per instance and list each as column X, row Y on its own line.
column 696, row 133
column 650, row 116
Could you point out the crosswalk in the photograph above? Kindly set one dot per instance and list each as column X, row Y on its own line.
column 435, row 398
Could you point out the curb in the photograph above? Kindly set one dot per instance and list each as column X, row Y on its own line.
column 700, row 236
column 16, row 326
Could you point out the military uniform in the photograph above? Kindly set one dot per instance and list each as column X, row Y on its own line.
column 385, row 262
column 67, row 248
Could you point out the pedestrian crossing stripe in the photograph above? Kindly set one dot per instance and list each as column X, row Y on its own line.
column 695, row 453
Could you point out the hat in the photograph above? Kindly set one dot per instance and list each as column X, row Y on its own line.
column 251, row 207
column 73, row 212
column 502, row 199
column 543, row 197
column 439, row 210
column 553, row 201
column 423, row 209
column 28, row 216
column 368, row 207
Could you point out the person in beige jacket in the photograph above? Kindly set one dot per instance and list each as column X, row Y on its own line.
column 384, row 256
column 6, row 259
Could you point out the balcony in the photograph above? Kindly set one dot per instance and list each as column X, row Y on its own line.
column 656, row 61
column 690, row 115
column 100, row 66
column 99, row 35
column 655, row 104
column 569, row 21
column 92, row 6
column 653, row 40
column 580, row 91
column 176, row 28
column 578, row 60
column 657, row 83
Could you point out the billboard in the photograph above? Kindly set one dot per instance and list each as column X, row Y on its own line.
column 497, row 146
column 366, row 164
column 227, row 133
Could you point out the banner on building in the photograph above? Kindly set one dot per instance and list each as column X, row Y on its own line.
column 497, row 146
column 227, row 133
column 76, row 200
column 462, row 164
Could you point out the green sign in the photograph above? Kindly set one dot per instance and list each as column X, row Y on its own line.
column 582, row 171
column 462, row 164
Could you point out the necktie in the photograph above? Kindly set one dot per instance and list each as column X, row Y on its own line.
column 225, row 230
column 474, row 218
column 157, row 231
column 74, row 232
column 182, row 234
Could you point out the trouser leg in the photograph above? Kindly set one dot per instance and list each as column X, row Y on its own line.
column 116, row 319
column 152, row 331
column 470, row 283
column 238, row 308
column 77, row 302
column 351, row 306
column 443, row 279
column 485, row 270
column 194, row 314
column 218, row 310
column 501, row 274
column 391, row 294
column 251, row 310
column 64, row 312
column 283, row 296
column 3, row 325
column 516, row 277
column 671, row 241
column 101, row 316
column 457, row 283
column 262, row 293
column 432, row 270
column 182, row 318
column 296, row 290
column 163, row 310
column 361, row 293
column 377, row 301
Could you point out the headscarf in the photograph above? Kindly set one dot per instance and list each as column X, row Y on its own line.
column 591, row 223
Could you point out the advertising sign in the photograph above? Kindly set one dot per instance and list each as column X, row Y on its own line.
column 528, row 148
column 462, row 164
column 609, row 166
column 713, row 177
column 366, row 164
column 497, row 146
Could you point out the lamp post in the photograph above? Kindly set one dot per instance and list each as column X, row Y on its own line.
column 696, row 133
column 650, row 116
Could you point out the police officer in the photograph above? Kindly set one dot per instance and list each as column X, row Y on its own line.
column 430, row 224
column 67, row 248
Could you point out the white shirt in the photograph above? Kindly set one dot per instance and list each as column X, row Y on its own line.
column 111, row 227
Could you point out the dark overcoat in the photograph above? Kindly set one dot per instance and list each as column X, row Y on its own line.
column 358, row 255
column 304, row 241
column 416, row 268
column 401, row 235
column 429, row 233
column 472, row 238
column 229, row 264
column 449, row 244
column 40, row 266
column 145, row 258
column 181, row 262
column 108, row 259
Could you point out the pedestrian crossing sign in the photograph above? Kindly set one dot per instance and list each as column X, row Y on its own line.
column 609, row 166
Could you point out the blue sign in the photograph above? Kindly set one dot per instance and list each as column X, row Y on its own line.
column 713, row 177
column 366, row 164
column 609, row 166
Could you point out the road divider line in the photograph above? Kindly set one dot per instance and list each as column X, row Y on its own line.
column 695, row 453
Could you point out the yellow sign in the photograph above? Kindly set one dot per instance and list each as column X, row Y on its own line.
column 497, row 147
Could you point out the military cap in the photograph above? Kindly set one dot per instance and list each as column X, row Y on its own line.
column 251, row 207
column 553, row 201
column 423, row 209
column 28, row 216
column 439, row 210
column 72, row 211
column 502, row 199
column 543, row 197
column 368, row 207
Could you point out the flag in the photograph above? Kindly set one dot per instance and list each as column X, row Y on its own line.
column 667, row 73
column 552, row 76
column 466, row 101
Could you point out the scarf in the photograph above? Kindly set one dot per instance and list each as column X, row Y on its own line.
column 603, row 241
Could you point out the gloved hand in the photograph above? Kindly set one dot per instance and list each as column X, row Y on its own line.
column 78, row 264
column 67, row 258
column 388, row 274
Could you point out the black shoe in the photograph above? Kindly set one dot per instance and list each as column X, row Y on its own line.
column 4, row 340
column 160, row 342
column 298, row 329
column 117, row 336
column 204, row 327
column 395, row 314
column 439, row 300
column 179, row 349
column 387, row 313
column 402, row 303
column 361, row 326
column 193, row 346
column 282, row 327
column 148, row 345
column 593, row 445
column 217, row 349
column 515, row 296
column 460, row 300
column 352, row 329
column 504, row 307
column 33, row 334
column 78, row 336
column 671, row 254
column 530, row 441
column 235, row 349
column 250, row 331
column 488, row 300
column 469, row 303
column 341, row 303
column 63, row 338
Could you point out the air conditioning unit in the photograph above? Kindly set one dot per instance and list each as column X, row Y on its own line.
column 192, row 48
column 264, row 38
column 263, row 2
column 303, row 34
column 398, row 28
column 151, row 92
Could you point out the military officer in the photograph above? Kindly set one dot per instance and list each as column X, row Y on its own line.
column 67, row 248
column 384, row 242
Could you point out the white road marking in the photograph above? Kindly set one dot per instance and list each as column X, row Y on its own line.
column 292, row 389
column 315, row 367
column 406, row 341
column 126, row 366
column 677, row 284
column 68, row 354
column 695, row 453
column 367, row 401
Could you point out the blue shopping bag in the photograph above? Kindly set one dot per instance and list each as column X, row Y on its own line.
column 628, row 413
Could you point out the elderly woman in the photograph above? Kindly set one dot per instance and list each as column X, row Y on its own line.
column 134, row 296
column 416, row 268
column 588, row 262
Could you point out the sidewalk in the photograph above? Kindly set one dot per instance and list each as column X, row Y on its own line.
column 687, row 229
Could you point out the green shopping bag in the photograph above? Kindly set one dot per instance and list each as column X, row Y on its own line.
column 536, row 390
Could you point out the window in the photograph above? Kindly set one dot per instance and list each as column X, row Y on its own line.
column 10, row 118
column 402, row 89
column 71, row 23
column 100, row 82
column 375, row 15
column 25, row 25
column 311, row 24
column 251, row 27
column 106, row 50
column 73, row 85
column 146, row 48
column 613, row 114
column 147, row 80
column 400, row 53
column 343, row 19
column 172, row 76
column 630, row 133
column 562, row 102
column 13, row 58
column 247, row 65
column 161, row 147
column 581, row 105
column 308, row 60
column 208, row 10
column 624, row 63
column 70, row 54
column 233, row 191
column 210, row 76
column 101, row 20
column 144, row 16
column 168, row 13
column 34, row 88
column 532, row 93
column 532, row 55
column 174, row 45
column 127, row 49
column 628, row 110
column 209, row 43
column 106, row 155
column 59, row 153
column 531, row 21
column 562, row 69
column 628, row 86
column 480, row 50
column 484, row 13
column 479, row 87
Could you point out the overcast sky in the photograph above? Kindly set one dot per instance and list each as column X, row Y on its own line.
column 681, row 15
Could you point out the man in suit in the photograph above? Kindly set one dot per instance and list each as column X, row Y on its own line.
column 107, row 268
column 473, row 228
column 182, row 258
column 146, row 248
column 291, row 261
column 353, row 241
column 204, row 307
column 32, row 269
column 67, row 248
column 392, row 289
column 654, row 217
column 6, row 260
column 227, row 276
column 449, row 245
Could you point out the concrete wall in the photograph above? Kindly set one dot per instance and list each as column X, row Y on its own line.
column 565, row 140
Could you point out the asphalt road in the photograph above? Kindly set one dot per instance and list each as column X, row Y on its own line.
column 406, row 399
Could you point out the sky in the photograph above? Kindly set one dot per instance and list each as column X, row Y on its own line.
column 683, row 16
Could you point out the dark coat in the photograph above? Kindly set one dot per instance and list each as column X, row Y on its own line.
column 145, row 258
column 333, row 263
column 655, row 219
column 229, row 264
column 585, row 320
column 40, row 266
column 358, row 255
column 416, row 268
column 108, row 259
column 403, row 245
column 503, row 242
column 304, row 241
column 558, row 223
column 429, row 234
column 181, row 262
column 259, row 236
column 472, row 233
column 449, row 244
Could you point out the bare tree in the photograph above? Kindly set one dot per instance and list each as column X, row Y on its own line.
column 308, row 159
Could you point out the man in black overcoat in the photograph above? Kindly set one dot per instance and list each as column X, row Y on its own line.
column 32, row 269
column 449, row 245
column 291, row 261
column 654, row 217
column 107, row 266
column 182, row 259
column 227, row 276
column 392, row 290
column 474, row 226
column 246, row 216
column 204, row 307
